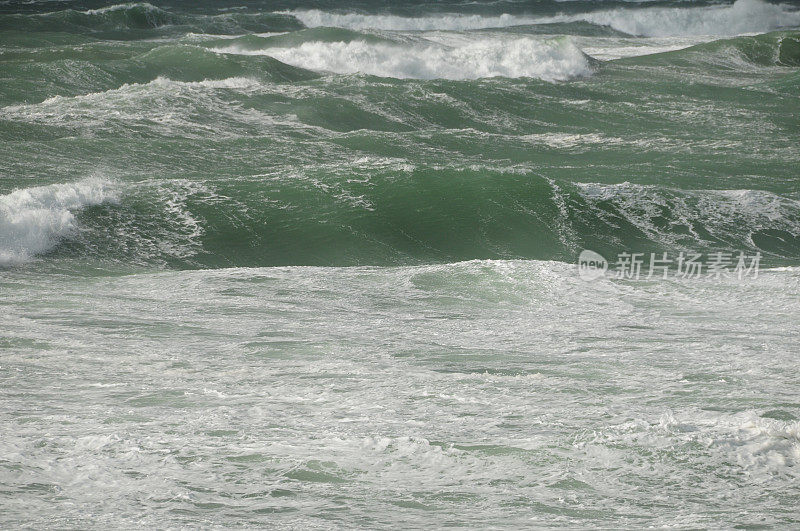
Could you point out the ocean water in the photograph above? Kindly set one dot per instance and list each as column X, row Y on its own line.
column 305, row 263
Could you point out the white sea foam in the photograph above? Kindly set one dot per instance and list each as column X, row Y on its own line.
column 550, row 60
column 33, row 220
column 744, row 16
column 427, row 386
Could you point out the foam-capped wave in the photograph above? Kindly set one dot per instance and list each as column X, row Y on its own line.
column 550, row 60
column 743, row 16
column 34, row 220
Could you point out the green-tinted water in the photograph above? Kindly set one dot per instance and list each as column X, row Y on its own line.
column 168, row 172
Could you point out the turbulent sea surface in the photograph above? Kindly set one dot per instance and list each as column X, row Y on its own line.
column 313, row 264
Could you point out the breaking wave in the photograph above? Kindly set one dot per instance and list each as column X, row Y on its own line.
column 34, row 220
column 549, row 60
column 384, row 213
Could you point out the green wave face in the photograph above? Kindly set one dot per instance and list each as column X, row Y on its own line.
column 259, row 137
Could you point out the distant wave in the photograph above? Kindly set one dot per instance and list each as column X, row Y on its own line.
column 744, row 16
column 122, row 20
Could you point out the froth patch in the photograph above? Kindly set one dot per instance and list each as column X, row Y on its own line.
column 33, row 220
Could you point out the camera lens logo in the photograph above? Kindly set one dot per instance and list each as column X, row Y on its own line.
column 591, row 265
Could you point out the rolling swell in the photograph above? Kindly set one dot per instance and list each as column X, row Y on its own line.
column 779, row 48
column 384, row 212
